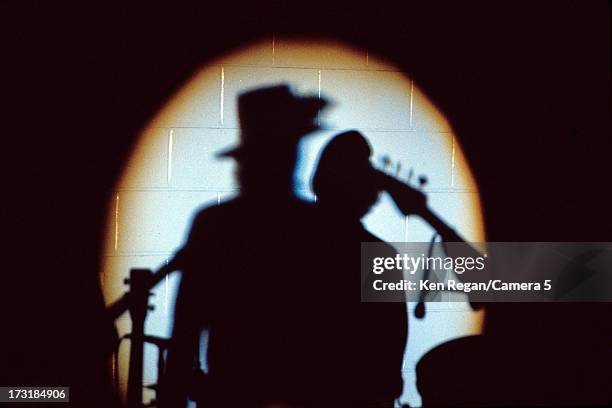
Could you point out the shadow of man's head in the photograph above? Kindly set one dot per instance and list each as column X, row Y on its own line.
column 272, row 121
column 344, row 179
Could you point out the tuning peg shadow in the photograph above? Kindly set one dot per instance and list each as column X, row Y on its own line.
column 423, row 181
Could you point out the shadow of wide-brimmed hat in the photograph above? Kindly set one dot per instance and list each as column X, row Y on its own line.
column 272, row 118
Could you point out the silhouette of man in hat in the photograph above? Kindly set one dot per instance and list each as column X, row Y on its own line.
column 245, row 270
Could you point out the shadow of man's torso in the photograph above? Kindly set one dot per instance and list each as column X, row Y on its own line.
column 277, row 284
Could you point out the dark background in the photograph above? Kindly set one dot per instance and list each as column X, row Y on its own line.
column 526, row 86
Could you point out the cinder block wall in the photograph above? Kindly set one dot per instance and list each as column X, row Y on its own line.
column 173, row 172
